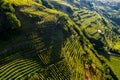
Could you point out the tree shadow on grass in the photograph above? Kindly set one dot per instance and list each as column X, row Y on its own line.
column 98, row 46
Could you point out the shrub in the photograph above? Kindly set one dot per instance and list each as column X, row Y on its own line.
column 6, row 7
column 12, row 21
column 8, row 20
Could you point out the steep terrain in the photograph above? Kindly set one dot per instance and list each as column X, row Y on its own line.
column 60, row 40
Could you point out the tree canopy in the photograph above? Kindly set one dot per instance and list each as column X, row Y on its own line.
column 8, row 20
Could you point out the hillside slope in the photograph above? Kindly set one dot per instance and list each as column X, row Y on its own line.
column 55, row 43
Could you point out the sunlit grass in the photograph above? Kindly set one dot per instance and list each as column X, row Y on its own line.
column 114, row 63
column 117, row 46
column 23, row 2
column 33, row 11
column 61, row 2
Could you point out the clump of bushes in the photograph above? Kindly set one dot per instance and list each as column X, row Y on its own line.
column 8, row 20
column 47, row 3
column 108, row 74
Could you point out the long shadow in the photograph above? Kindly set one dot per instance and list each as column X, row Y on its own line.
column 50, row 35
column 98, row 46
column 54, row 37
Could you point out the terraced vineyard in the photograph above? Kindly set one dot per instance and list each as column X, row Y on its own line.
column 18, row 68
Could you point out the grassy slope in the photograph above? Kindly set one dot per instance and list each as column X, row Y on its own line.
column 91, row 21
column 91, row 24
column 61, row 53
column 114, row 64
column 44, row 45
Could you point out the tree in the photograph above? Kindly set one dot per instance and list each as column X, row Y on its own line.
column 12, row 21
column 8, row 20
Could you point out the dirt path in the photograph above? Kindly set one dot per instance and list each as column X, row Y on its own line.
column 87, row 73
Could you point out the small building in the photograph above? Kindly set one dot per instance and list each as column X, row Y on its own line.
column 99, row 31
